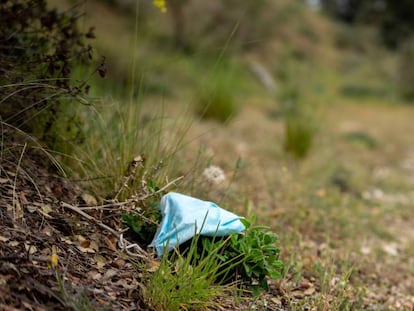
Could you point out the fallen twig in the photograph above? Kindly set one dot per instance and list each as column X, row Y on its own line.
column 144, row 197
column 122, row 243
column 132, row 170
column 135, row 199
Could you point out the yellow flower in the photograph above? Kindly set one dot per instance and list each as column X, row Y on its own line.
column 161, row 5
column 54, row 259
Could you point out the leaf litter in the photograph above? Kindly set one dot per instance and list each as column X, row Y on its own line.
column 49, row 257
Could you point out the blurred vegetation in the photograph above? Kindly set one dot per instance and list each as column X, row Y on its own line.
column 216, row 98
column 159, row 55
column 394, row 19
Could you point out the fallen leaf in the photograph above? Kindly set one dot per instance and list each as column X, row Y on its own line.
column 17, row 211
column 100, row 261
column 13, row 243
column 27, row 305
column 119, row 263
column 47, row 209
column 276, row 301
column 80, row 238
column 309, row 291
column 94, row 246
column 66, row 240
column 89, row 199
column 94, row 275
column 4, row 180
column 298, row 294
column 110, row 273
column 23, row 198
column 30, row 248
column 31, row 208
column 305, row 284
column 84, row 243
column 4, row 239
column 111, row 243
column 47, row 230
column 86, row 249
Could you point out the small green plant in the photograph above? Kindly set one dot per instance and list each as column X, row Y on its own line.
column 254, row 256
column 216, row 98
column 192, row 277
column 299, row 134
column 186, row 281
column 299, row 124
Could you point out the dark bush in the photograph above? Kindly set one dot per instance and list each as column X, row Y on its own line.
column 39, row 48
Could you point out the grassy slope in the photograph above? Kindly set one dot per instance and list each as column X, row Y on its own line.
column 343, row 214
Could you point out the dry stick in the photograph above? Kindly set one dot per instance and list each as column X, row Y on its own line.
column 144, row 197
column 132, row 170
column 124, row 243
column 138, row 199
column 15, row 182
column 142, row 254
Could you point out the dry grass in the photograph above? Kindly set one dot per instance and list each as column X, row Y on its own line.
column 343, row 214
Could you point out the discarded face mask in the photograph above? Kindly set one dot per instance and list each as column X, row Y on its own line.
column 184, row 216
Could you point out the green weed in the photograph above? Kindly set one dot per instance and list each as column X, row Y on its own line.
column 216, row 98
column 299, row 135
column 258, row 255
column 186, row 281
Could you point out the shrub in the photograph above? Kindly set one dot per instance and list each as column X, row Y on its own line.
column 250, row 257
column 216, row 99
column 186, row 281
column 299, row 135
column 38, row 49
column 257, row 256
column 299, row 125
